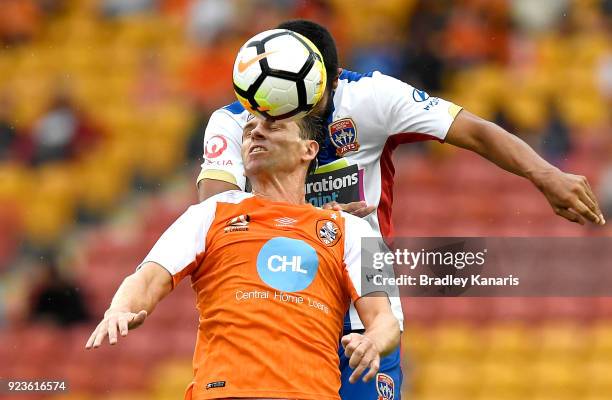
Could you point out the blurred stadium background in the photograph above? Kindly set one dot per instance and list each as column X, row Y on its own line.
column 103, row 104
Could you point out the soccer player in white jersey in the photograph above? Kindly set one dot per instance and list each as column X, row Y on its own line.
column 367, row 116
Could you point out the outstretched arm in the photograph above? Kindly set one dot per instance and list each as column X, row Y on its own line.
column 136, row 297
column 381, row 337
column 570, row 196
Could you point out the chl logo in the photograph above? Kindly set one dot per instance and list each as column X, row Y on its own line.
column 287, row 264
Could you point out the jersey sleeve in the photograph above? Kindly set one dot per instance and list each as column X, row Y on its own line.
column 222, row 159
column 355, row 229
column 180, row 249
column 410, row 111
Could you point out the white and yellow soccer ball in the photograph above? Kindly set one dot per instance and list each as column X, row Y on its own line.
column 279, row 75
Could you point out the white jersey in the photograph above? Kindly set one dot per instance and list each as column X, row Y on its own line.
column 372, row 114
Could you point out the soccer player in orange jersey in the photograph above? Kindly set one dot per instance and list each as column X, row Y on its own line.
column 274, row 277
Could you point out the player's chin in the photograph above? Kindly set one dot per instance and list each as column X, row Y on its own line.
column 256, row 164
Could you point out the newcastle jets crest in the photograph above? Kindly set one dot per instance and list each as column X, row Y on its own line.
column 343, row 135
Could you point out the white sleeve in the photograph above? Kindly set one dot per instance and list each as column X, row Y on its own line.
column 180, row 249
column 410, row 111
column 222, row 142
column 355, row 229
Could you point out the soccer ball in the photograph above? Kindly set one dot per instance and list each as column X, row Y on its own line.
column 278, row 75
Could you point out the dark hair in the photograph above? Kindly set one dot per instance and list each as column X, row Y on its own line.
column 321, row 38
column 311, row 128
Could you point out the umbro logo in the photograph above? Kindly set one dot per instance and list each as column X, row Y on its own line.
column 237, row 224
column 284, row 222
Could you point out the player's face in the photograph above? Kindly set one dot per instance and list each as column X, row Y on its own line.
column 273, row 147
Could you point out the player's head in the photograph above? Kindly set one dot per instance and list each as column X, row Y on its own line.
column 283, row 147
column 324, row 41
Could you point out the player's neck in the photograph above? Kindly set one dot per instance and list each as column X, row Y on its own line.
column 286, row 188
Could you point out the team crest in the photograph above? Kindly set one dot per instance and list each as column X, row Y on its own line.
column 238, row 224
column 328, row 232
column 343, row 135
column 385, row 387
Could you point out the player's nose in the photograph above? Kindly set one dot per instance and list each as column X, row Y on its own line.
column 259, row 131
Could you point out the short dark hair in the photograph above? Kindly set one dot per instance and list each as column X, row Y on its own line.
column 311, row 128
column 320, row 36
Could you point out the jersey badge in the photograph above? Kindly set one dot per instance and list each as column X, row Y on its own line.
column 385, row 387
column 238, row 224
column 343, row 135
column 328, row 232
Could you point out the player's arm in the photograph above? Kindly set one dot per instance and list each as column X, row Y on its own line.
column 570, row 196
column 407, row 111
column 381, row 337
column 136, row 297
column 222, row 169
column 177, row 253
column 210, row 187
column 382, row 332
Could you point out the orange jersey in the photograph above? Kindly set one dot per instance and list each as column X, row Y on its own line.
column 273, row 282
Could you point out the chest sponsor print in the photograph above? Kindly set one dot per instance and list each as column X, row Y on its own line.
column 344, row 185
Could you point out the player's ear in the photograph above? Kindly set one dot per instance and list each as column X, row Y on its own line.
column 312, row 149
column 335, row 83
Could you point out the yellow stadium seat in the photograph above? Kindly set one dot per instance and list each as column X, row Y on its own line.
column 560, row 341
column 436, row 395
column 446, row 376
column 163, row 153
column 417, row 343
column 103, row 180
column 503, row 378
column 171, row 378
column 56, row 183
column 16, row 182
column 600, row 339
column 598, row 371
column 458, row 340
column 45, row 220
column 509, row 341
column 552, row 377
column 552, row 52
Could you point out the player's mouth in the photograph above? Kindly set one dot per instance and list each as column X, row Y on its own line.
column 257, row 149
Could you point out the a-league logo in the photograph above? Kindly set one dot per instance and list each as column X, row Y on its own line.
column 385, row 387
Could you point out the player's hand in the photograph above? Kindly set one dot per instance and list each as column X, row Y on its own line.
column 358, row 208
column 113, row 322
column 570, row 196
column 362, row 353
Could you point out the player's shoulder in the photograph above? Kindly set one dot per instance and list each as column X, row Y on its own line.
column 354, row 79
column 357, row 226
column 360, row 89
column 234, row 114
column 230, row 196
